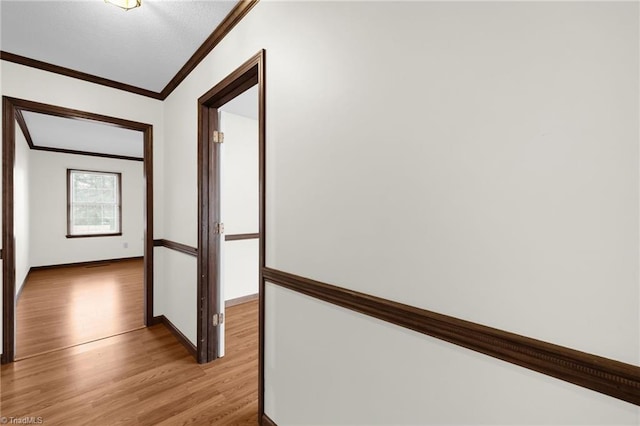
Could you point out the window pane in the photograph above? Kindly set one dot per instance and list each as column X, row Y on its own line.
column 109, row 218
column 94, row 213
column 110, row 182
column 94, row 203
column 108, row 196
column 109, row 212
column 79, row 215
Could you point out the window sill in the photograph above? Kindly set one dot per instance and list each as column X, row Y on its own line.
column 119, row 234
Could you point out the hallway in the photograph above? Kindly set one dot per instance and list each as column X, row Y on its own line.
column 144, row 377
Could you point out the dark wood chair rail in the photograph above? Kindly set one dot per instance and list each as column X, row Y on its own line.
column 600, row 374
column 193, row 251
column 238, row 237
column 182, row 248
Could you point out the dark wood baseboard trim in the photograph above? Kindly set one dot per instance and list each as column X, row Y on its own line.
column 266, row 421
column 182, row 248
column 177, row 333
column 156, row 320
column 241, row 300
column 604, row 375
column 237, row 237
column 86, row 264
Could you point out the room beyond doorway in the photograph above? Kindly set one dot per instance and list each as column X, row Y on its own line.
column 12, row 111
column 211, row 294
column 67, row 306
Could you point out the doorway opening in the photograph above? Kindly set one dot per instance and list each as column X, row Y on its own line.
column 110, row 214
column 213, row 115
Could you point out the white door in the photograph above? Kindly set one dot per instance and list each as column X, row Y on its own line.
column 238, row 186
column 221, row 252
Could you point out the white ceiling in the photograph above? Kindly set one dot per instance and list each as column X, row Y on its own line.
column 93, row 136
column 143, row 47
column 83, row 135
column 245, row 104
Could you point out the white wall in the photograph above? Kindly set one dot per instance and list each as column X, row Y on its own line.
column 425, row 381
column 178, row 272
column 475, row 159
column 49, row 244
column 27, row 83
column 241, row 267
column 240, row 212
column 22, row 209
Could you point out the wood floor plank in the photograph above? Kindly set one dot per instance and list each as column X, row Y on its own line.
column 66, row 306
column 144, row 377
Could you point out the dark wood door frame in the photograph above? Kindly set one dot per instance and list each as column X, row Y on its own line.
column 11, row 107
column 246, row 76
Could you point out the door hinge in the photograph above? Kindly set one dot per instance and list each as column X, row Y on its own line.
column 217, row 319
column 217, row 137
column 219, row 228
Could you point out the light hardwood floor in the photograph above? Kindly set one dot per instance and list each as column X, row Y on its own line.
column 144, row 377
column 66, row 306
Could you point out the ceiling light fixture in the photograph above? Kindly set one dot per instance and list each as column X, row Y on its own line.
column 125, row 4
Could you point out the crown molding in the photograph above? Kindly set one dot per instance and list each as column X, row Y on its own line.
column 231, row 20
column 68, row 72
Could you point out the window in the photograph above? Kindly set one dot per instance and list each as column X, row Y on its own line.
column 93, row 204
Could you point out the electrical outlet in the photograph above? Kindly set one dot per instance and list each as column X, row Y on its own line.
column 126, row 245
